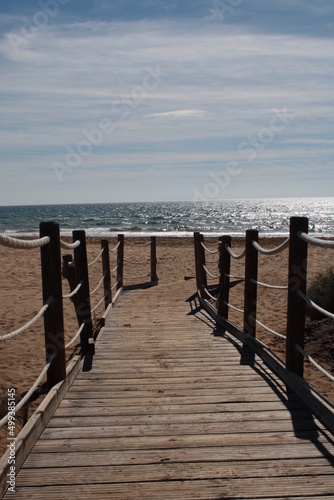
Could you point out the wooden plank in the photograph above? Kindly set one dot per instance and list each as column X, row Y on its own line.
column 220, row 408
column 201, row 489
column 256, row 453
column 162, row 471
column 181, row 441
column 182, row 429
column 96, row 420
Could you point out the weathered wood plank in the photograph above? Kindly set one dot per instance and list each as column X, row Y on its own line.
column 213, row 488
column 109, row 474
column 257, row 453
column 181, row 441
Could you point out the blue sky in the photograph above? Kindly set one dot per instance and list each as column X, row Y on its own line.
column 165, row 100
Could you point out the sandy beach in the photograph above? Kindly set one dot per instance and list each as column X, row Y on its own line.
column 23, row 357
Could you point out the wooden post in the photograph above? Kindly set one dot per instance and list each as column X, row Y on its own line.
column 198, row 278
column 69, row 274
column 296, row 305
column 120, row 261
column 224, row 280
column 84, row 309
column 251, row 266
column 201, row 263
column 53, row 317
column 106, row 273
column 154, row 277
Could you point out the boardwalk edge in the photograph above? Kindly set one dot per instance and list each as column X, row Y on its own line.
column 30, row 433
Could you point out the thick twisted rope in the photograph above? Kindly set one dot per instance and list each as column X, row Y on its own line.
column 114, row 249
column 30, row 323
column 8, row 241
column 75, row 291
column 208, row 250
column 314, row 363
column 23, row 401
column 114, row 286
column 213, row 276
column 96, row 259
column 70, row 246
column 98, row 304
column 266, row 285
column 75, row 337
column 233, row 255
column 234, row 308
column 234, row 277
column 209, row 294
column 316, row 241
column 112, row 270
column 98, row 286
column 271, row 251
column 280, row 335
column 315, row 306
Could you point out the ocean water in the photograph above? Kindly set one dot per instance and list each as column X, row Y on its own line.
column 269, row 216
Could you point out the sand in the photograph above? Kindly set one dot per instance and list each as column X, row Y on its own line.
column 23, row 357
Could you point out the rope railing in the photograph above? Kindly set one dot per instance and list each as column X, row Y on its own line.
column 98, row 304
column 71, row 342
column 96, row 259
column 315, row 241
column 271, row 251
column 213, row 276
column 233, row 276
column 69, row 246
column 98, row 286
column 116, row 247
column 212, row 297
column 121, row 260
column 314, row 363
column 30, row 323
column 115, row 268
column 208, row 250
column 269, row 330
column 73, row 293
column 8, row 241
column 233, row 255
column 266, row 285
column 314, row 305
column 296, row 287
column 114, row 286
column 237, row 309
column 31, row 391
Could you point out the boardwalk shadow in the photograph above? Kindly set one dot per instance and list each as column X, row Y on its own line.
column 302, row 418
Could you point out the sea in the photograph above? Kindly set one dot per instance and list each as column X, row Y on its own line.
column 214, row 218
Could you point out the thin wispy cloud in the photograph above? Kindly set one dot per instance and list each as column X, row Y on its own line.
column 179, row 113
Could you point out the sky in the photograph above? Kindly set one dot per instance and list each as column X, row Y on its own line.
column 165, row 100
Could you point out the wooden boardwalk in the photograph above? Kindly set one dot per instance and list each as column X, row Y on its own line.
column 171, row 409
